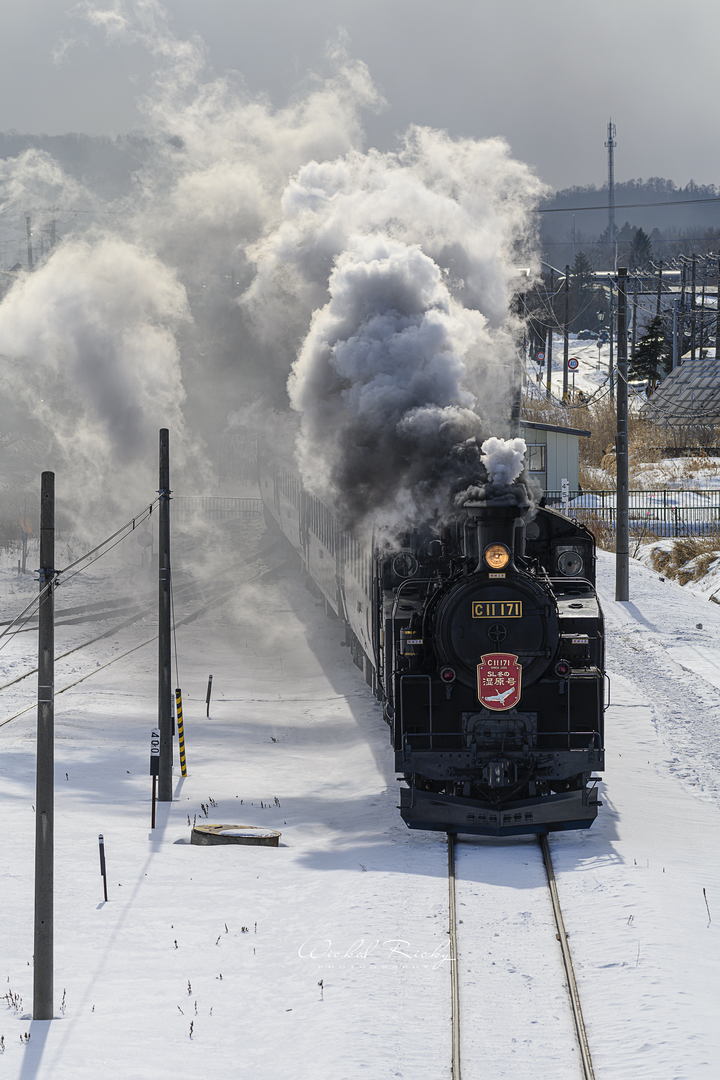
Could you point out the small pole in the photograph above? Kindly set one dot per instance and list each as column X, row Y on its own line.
column 24, row 537
column 45, row 783
column 103, row 873
column 29, row 241
column 181, row 730
column 207, row 699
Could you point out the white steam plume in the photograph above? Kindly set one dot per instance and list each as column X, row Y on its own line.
column 503, row 459
column 94, row 360
column 256, row 238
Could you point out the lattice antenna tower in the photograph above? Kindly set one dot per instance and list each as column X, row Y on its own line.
column 611, row 185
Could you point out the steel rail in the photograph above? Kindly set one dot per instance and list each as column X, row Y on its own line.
column 588, row 1073
column 218, row 599
column 454, row 973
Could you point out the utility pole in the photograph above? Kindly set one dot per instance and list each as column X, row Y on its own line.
column 164, row 635
column 634, row 316
column 45, row 779
column 676, row 304
column 622, row 563
column 611, row 365
column 519, row 366
column 549, row 351
column 692, row 307
column 566, row 332
column 611, row 144
column 702, row 309
column 659, row 288
column 29, row 242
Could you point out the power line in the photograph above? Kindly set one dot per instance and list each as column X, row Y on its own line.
column 624, row 206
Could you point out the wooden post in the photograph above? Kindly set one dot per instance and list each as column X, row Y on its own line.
column 45, row 783
column 164, row 634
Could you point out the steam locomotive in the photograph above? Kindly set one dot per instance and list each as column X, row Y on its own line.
column 484, row 643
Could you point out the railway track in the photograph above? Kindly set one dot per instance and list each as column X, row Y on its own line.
column 212, row 599
column 509, row 994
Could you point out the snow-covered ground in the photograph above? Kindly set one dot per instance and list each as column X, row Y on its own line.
column 592, row 372
column 235, row 941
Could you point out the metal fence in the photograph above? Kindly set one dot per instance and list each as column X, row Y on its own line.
column 664, row 512
column 213, row 508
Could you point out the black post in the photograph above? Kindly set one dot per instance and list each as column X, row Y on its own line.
column 566, row 332
column 164, row 634
column 45, row 784
column 659, row 288
column 207, row 697
column 103, row 873
column 622, row 564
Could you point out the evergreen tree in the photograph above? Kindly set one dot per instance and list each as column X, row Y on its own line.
column 584, row 297
column 640, row 250
column 652, row 357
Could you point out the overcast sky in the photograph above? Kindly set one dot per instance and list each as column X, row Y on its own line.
column 547, row 76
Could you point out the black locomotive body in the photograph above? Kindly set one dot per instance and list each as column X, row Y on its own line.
column 484, row 642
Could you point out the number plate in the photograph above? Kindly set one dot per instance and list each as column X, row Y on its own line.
column 497, row 609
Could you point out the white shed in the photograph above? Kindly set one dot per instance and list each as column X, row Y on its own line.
column 552, row 453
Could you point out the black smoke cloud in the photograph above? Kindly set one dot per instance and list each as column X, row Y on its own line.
column 404, row 266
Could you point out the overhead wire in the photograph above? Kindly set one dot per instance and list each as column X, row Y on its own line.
column 98, row 552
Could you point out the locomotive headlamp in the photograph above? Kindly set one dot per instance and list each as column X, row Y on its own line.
column 496, row 556
column 447, row 674
column 570, row 562
column 562, row 668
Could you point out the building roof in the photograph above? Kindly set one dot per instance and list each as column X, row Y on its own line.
column 554, row 427
column 690, row 392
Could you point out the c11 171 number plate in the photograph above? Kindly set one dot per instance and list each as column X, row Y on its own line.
column 497, row 609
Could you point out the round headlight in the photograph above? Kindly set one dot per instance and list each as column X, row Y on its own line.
column 570, row 563
column 405, row 565
column 496, row 556
column 447, row 674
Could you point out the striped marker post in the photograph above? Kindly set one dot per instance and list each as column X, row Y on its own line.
column 181, row 730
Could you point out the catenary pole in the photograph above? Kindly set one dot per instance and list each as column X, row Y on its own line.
column 45, row 780
column 549, row 357
column 566, row 334
column 622, row 564
column 164, row 635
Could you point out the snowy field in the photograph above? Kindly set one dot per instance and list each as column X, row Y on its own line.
column 207, row 961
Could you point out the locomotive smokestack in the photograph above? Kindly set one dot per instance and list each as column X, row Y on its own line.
column 497, row 523
column 498, row 508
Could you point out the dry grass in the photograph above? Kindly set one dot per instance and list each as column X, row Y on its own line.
column 689, row 558
column 597, row 471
